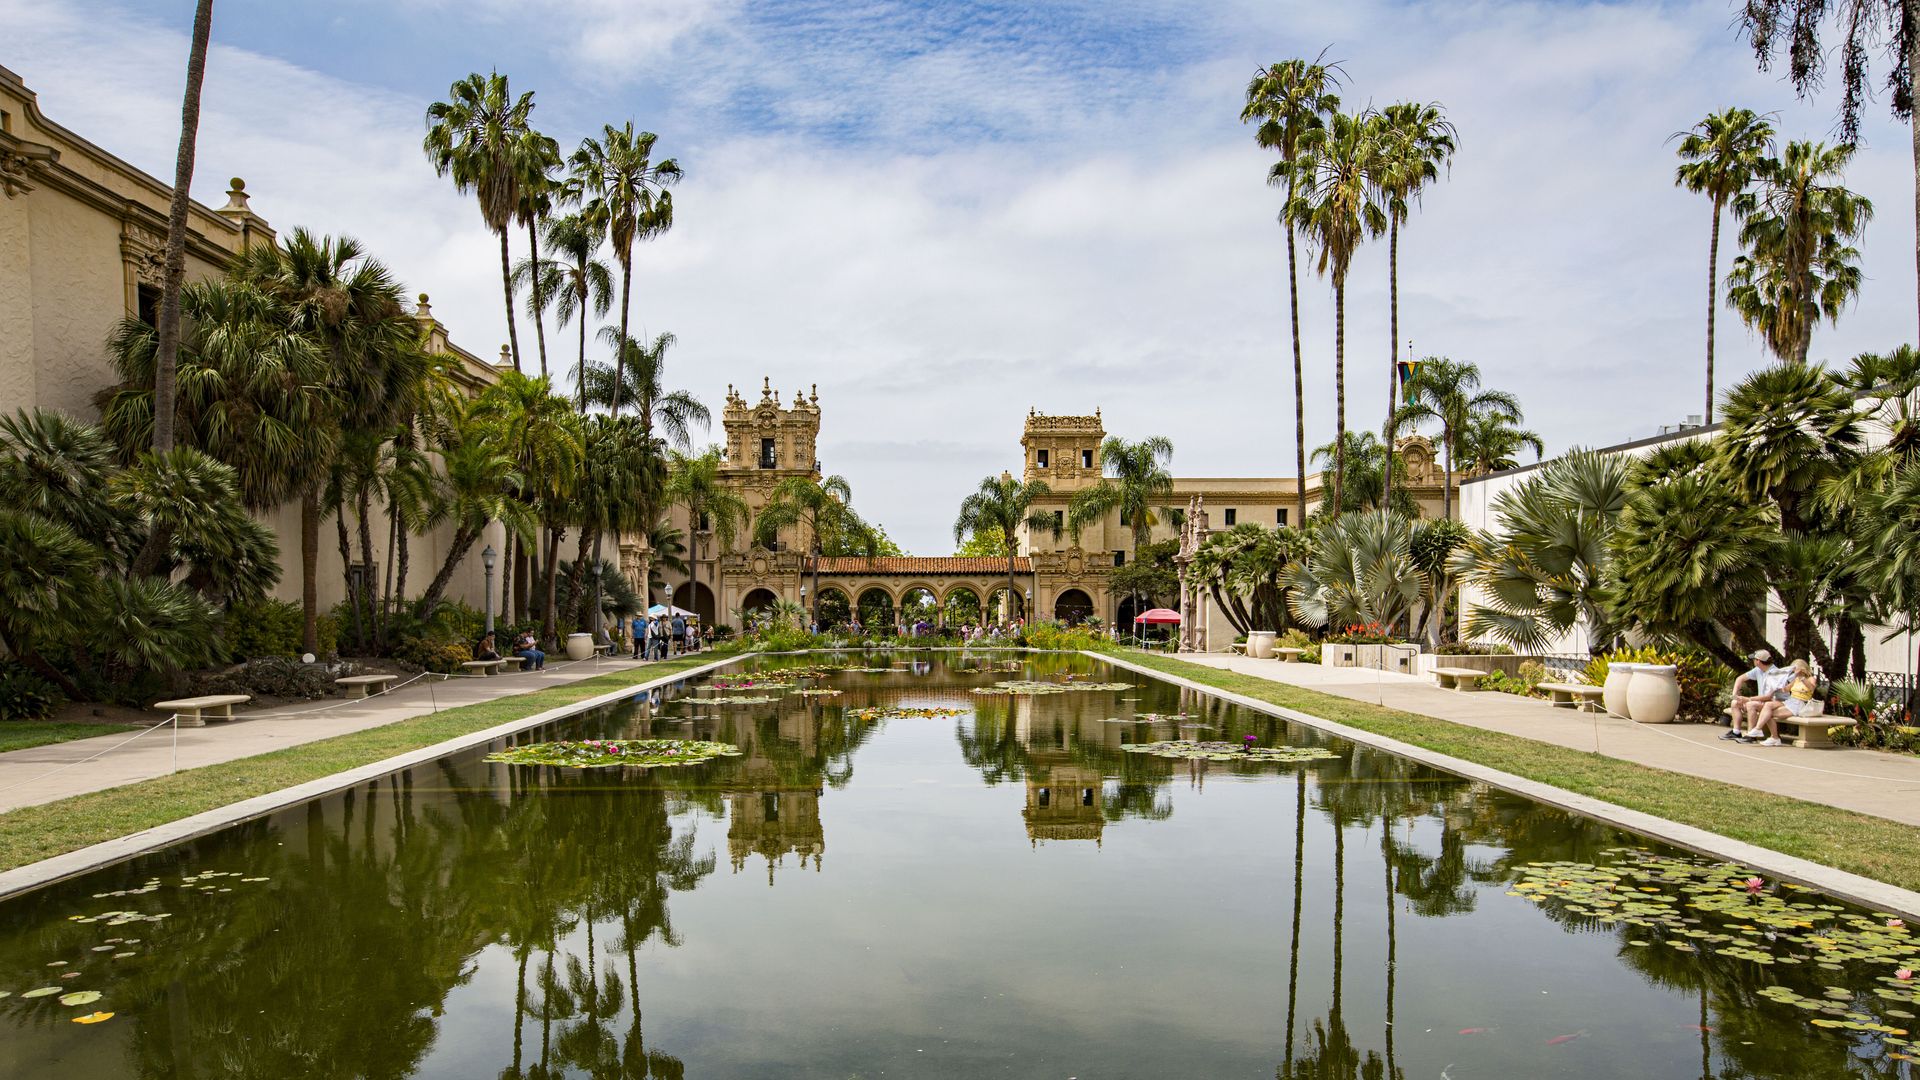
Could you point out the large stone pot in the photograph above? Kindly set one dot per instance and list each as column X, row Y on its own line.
column 1613, row 693
column 579, row 646
column 1260, row 644
column 1653, row 697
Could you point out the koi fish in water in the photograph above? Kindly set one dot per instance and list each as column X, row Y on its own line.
column 1558, row 1039
column 1474, row 1031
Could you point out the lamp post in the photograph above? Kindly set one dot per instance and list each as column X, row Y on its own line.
column 804, row 609
column 487, row 558
column 1027, row 608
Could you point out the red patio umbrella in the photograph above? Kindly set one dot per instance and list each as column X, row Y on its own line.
column 1158, row 615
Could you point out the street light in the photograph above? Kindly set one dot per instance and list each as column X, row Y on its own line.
column 486, row 560
column 1028, row 606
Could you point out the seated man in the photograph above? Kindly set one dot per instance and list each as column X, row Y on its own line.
column 528, row 650
column 1746, row 708
column 1795, row 699
column 486, row 650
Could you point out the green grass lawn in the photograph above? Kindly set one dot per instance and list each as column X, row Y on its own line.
column 21, row 734
column 32, row 833
column 1859, row 843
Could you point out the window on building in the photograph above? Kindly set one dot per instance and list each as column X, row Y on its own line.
column 1086, row 459
column 1086, row 796
column 1043, row 798
column 1233, row 517
column 767, row 457
column 1280, row 517
column 1119, row 559
column 1060, row 519
column 147, row 304
column 359, row 578
column 706, row 523
column 1040, row 458
column 770, row 805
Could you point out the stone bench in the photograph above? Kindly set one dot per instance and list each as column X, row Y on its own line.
column 486, row 667
column 1290, row 656
column 1463, row 679
column 1238, row 648
column 1810, row 732
column 1581, row 696
column 196, row 711
column 358, row 685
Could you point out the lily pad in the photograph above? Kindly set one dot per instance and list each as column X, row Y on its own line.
column 93, row 1018
column 40, row 992
column 1226, row 751
column 605, row 753
column 80, row 997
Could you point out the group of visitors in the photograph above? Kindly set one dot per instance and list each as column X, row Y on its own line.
column 667, row 634
column 1777, row 692
column 526, row 647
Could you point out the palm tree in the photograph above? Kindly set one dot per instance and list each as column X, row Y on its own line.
column 1491, row 443
column 1005, row 504
column 537, row 157
column 482, row 137
column 714, row 509
column 822, row 510
column 1335, row 205
column 1291, row 99
column 579, row 284
column 541, row 433
column 1449, row 393
column 627, row 191
column 1718, row 157
column 1413, row 142
column 1136, row 484
column 637, row 383
column 1799, row 265
column 1366, row 486
column 478, row 488
column 1360, row 570
column 175, row 272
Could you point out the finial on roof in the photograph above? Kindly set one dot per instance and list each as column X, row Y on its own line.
column 236, row 197
column 506, row 357
column 423, row 310
column 815, row 395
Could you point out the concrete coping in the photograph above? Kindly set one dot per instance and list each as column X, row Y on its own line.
column 1854, row 888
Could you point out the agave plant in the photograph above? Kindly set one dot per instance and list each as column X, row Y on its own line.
column 1360, row 569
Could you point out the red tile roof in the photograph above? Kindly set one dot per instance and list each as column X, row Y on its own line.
column 912, row 565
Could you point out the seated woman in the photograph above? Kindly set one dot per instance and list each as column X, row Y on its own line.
column 1796, row 699
column 528, row 650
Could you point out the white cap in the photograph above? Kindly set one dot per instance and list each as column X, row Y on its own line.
column 1761, row 655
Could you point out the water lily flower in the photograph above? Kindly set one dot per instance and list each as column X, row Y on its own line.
column 1896, row 924
column 1755, row 884
column 1904, row 974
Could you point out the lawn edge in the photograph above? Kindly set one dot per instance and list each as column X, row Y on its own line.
column 1870, row 892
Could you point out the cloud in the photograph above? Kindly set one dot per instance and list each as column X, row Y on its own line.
column 946, row 215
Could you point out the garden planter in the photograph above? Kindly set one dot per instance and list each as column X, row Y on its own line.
column 1260, row 644
column 1369, row 656
column 1653, row 695
column 1337, row 655
column 579, row 646
column 1613, row 693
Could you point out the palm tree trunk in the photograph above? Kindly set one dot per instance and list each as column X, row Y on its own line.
column 539, row 302
column 550, row 625
column 579, row 597
column 386, row 589
column 1299, row 386
column 167, row 355
column 596, row 615
column 403, row 552
column 1913, row 69
column 363, row 511
column 310, row 571
column 1393, row 356
column 1446, row 494
column 346, row 573
column 1299, row 882
column 522, row 578
column 620, row 347
column 1713, row 295
column 1339, row 393
column 506, row 287
column 580, row 373
column 430, row 600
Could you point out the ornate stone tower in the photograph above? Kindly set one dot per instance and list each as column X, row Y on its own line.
column 766, row 441
column 1062, row 450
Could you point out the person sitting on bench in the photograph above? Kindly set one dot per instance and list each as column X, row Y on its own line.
column 528, row 650
column 1766, row 680
column 1795, row 699
column 486, row 650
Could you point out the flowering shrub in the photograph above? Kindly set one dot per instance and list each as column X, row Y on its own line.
column 1369, row 633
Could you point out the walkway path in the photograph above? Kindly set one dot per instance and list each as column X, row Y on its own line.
column 1867, row 781
column 36, row 775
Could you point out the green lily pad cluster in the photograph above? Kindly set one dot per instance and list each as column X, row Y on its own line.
column 1191, row 749
column 820, row 692
column 1027, row 687
column 752, row 682
column 1726, row 910
column 895, row 712
column 742, row 699
column 605, row 753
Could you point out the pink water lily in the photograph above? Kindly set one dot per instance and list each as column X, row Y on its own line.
column 1755, row 884
column 1904, row 974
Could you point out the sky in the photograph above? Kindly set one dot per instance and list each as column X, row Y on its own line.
column 946, row 213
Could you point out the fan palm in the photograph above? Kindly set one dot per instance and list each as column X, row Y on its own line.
column 820, row 509
column 1718, row 157
column 1335, row 205
column 1448, row 392
column 1413, row 142
column 1789, row 429
column 1691, row 555
column 1291, row 99
column 1241, row 568
column 480, row 137
column 619, row 491
column 625, row 190
column 1359, row 569
column 1890, row 530
column 1799, row 266
column 1005, row 504
column 578, row 283
column 715, row 511
column 1491, row 443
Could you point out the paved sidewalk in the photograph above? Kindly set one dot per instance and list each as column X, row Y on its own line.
column 35, row 775
column 1867, row 781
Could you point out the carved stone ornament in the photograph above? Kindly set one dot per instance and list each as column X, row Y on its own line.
column 759, row 566
column 144, row 252
column 15, row 168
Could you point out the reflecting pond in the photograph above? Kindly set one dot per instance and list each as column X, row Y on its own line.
column 931, row 874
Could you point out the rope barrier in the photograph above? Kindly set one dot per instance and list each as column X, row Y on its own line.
column 171, row 721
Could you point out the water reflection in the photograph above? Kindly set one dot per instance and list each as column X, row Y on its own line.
column 1346, row 918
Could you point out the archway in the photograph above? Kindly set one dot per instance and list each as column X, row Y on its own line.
column 697, row 598
column 1073, row 607
column 918, row 605
column 835, row 608
column 1123, row 619
column 998, row 611
column 962, row 607
column 758, row 605
column 876, row 611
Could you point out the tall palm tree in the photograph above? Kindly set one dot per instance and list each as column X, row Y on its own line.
column 637, row 385
column 175, row 265
column 627, row 191
column 1135, row 483
column 1005, row 504
column 578, row 283
column 1335, row 204
column 480, row 136
column 714, row 510
column 1414, row 142
column 1290, row 99
column 1799, row 265
column 479, row 487
column 542, row 434
column 822, row 510
column 1492, row 443
column 1449, row 393
column 1718, row 157
column 537, row 159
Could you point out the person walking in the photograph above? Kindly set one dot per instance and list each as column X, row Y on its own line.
column 679, row 639
column 637, row 627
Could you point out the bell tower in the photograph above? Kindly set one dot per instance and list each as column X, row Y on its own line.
column 767, row 440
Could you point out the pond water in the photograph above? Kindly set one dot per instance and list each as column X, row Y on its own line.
column 1004, row 891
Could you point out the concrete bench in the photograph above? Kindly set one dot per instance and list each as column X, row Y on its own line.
column 1238, row 648
column 486, row 667
column 1289, row 656
column 358, row 685
column 1581, row 696
column 1463, row 679
column 1810, row 732
column 196, row 711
